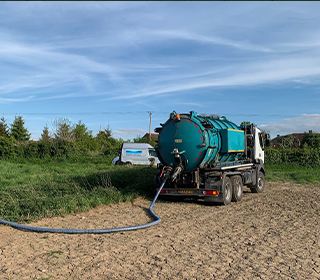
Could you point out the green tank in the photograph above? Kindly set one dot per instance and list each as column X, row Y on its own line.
column 191, row 141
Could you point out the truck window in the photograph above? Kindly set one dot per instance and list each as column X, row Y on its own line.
column 261, row 141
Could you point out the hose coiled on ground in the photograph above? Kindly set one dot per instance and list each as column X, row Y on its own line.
column 91, row 231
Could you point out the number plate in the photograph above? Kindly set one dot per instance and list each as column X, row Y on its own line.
column 185, row 192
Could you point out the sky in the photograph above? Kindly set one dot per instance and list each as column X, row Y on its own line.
column 111, row 64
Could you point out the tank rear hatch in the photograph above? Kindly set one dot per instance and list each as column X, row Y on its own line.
column 185, row 136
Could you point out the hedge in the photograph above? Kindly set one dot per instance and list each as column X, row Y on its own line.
column 305, row 157
column 11, row 149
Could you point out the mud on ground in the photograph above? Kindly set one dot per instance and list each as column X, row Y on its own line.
column 272, row 235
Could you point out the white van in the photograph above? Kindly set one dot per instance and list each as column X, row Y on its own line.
column 136, row 153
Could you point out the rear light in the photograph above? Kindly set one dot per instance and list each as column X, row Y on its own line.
column 211, row 192
column 162, row 191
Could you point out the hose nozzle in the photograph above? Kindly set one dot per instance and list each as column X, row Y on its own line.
column 176, row 172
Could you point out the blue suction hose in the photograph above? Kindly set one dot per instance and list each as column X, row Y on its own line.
column 91, row 231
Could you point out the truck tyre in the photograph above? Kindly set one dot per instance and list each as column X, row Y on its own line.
column 237, row 188
column 128, row 163
column 261, row 182
column 227, row 191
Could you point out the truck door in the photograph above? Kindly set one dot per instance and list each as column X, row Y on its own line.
column 259, row 146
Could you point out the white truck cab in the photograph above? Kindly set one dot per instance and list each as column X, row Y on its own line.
column 259, row 146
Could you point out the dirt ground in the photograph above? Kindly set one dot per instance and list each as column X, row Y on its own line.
column 272, row 235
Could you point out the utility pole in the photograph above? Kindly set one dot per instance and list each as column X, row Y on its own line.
column 150, row 114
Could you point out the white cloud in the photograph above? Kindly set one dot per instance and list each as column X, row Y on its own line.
column 61, row 65
column 266, row 70
column 14, row 100
column 128, row 133
column 42, row 66
column 77, row 56
column 181, row 34
column 299, row 124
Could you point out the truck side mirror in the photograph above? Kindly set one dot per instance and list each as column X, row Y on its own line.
column 268, row 140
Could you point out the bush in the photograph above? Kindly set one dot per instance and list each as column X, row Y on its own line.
column 111, row 147
column 44, row 149
column 63, row 148
column 311, row 140
column 304, row 157
column 6, row 147
column 88, row 144
column 57, row 148
column 33, row 149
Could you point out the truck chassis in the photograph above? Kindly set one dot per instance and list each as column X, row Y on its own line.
column 221, row 184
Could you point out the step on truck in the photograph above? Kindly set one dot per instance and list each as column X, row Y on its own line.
column 209, row 157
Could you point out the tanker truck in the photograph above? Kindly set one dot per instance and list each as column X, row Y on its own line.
column 209, row 157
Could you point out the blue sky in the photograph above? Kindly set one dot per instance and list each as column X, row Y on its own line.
column 110, row 63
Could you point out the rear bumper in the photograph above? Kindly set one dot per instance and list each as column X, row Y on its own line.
column 208, row 195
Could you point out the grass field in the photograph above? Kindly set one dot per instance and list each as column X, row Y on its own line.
column 293, row 172
column 35, row 189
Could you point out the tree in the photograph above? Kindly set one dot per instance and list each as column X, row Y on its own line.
column 245, row 123
column 63, row 129
column 147, row 140
column 18, row 131
column 4, row 130
column 45, row 136
column 104, row 135
column 81, row 132
column 311, row 140
column 83, row 137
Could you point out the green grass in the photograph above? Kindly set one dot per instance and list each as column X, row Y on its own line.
column 294, row 172
column 33, row 190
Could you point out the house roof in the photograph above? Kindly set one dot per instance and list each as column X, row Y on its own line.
column 153, row 135
column 298, row 136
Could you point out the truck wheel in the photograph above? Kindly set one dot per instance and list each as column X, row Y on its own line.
column 227, row 191
column 128, row 163
column 237, row 188
column 261, row 182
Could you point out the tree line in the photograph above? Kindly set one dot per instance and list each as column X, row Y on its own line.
column 64, row 130
column 66, row 140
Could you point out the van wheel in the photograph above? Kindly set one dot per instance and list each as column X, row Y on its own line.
column 128, row 163
column 237, row 187
column 227, row 191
